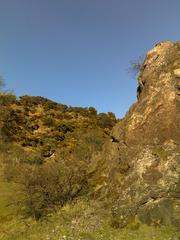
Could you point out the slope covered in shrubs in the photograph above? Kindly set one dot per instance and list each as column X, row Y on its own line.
column 47, row 149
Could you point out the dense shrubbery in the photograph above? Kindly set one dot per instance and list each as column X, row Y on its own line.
column 29, row 115
column 48, row 184
column 49, row 148
column 48, row 121
column 106, row 120
column 7, row 99
column 44, row 186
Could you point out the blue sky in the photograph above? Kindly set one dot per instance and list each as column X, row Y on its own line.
column 77, row 52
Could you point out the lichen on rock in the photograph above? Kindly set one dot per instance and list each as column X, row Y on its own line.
column 148, row 142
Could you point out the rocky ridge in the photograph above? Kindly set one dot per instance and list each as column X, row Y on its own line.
column 141, row 170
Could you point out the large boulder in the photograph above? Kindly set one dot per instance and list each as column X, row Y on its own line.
column 142, row 161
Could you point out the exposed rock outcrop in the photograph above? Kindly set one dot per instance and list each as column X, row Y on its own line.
column 143, row 158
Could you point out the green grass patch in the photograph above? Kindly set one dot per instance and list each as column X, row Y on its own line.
column 8, row 196
column 83, row 220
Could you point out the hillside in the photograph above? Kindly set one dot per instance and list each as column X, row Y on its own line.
column 70, row 173
column 36, row 123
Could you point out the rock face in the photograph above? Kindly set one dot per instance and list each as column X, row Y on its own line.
column 143, row 158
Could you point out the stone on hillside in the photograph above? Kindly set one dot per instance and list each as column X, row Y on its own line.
column 148, row 142
column 177, row 72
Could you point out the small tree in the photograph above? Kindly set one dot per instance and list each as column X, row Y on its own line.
column 136, row 66
column 2, row 84
column 44, row 187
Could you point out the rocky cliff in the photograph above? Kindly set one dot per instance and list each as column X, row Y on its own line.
column 141, row 170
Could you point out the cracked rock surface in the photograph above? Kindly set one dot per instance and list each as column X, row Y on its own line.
column 141, row 170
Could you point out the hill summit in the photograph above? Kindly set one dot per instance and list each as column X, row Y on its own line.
column 39, row 125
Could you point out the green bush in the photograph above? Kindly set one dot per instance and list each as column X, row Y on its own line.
column 7, row 99
column 106, row 120
column 49, row 185
column 48, row 121
column 93, row 111
column 65, row 127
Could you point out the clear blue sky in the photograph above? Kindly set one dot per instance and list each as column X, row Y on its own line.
column 77, row 52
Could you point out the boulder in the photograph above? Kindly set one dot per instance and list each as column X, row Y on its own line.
column 142, row 164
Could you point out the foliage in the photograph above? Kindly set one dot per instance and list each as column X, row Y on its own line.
column 48, row 121
column 106, row 120
column 48, row 151
column 82, row 220
column 46, row 186
column 7, row 99
column 136, row 66
column 2, row 84
column 36, row 122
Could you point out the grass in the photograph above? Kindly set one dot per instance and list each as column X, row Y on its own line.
column 8, row 193
column 83, row 220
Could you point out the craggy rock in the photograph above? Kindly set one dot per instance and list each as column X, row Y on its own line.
column 143, row 158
